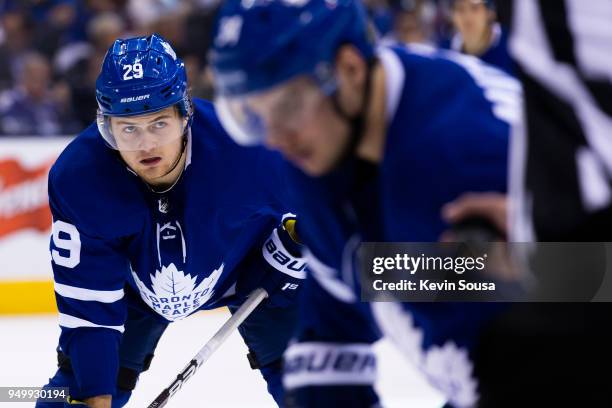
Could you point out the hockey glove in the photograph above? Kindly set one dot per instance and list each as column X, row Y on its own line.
column 285, row 267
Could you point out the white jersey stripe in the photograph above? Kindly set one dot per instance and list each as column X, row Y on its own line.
column 73, row 292
column 317, row 364
column 531, row 48
column 394, row 78
column 72, row 322
column 594, row 185
column 592, row 32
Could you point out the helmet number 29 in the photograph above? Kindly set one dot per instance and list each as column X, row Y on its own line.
column 132, row 71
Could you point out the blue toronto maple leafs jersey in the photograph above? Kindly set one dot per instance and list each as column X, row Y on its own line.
column 181, row 251
column 448, row 125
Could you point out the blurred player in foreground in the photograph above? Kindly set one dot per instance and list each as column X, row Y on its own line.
column 157, row 214
column 379, row 141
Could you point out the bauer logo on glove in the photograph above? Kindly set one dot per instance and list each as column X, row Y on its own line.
column 282, row 251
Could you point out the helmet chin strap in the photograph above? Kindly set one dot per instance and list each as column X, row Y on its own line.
column 356, row 122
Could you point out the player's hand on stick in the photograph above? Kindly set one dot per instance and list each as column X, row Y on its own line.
column 285, row 267
column 280, row 260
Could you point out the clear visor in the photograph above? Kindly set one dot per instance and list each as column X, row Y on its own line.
column 251, row 119
column 142, row 132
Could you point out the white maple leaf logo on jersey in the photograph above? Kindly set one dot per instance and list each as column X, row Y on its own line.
column 448, row 367
column 450, row 370
column 175, row 294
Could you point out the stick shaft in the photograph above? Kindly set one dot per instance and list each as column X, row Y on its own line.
column 254, row 299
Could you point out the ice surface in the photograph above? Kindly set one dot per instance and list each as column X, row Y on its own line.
column 27, row 356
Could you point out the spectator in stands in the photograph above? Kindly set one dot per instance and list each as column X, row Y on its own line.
column 17, row 37
column 79, row 62
column 478, row 33
column 144, row 13
column 39, row 99
column 105, row 6
column 31, row 107
column 55, row 21
column 412, row 22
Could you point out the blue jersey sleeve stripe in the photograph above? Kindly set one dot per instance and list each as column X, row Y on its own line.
column 71, row 322
column 73, row 292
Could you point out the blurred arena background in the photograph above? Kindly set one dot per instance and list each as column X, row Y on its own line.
column 50, row 56
column 51, row 50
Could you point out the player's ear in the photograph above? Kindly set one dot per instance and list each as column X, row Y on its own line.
column 351, row 72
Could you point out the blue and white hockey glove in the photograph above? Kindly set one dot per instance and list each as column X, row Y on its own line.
column 276, row 265
column 286, row 269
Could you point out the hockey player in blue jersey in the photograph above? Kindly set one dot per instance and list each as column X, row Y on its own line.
column 156, row 214
column 379, row 140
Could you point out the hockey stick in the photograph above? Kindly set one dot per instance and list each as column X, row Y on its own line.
column 255, row 298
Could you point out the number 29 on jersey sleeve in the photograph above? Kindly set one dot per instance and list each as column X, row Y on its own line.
column 66, row 237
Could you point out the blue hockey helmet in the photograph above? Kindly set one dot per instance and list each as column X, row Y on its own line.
column 259, row 44
column 140, row 75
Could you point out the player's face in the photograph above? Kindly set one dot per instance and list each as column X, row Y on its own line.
column 471, row 18
column 302, row 124
column 159, row 142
